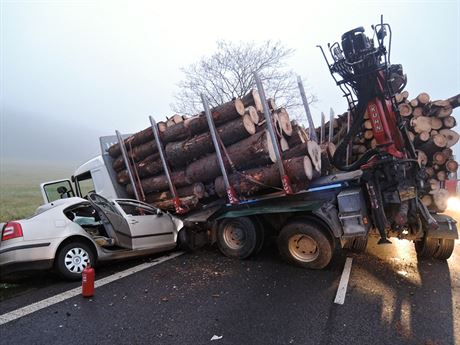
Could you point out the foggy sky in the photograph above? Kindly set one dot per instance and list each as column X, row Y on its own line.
column 74, row 70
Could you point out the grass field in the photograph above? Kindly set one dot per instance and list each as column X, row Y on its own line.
column 20, row 186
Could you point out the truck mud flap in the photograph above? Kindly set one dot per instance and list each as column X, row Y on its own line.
column 447, row 228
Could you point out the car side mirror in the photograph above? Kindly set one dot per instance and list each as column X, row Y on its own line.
column 159, row 212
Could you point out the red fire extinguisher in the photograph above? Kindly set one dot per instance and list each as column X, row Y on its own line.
column 87, row 281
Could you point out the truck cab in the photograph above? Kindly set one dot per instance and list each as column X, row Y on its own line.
column 96, row 175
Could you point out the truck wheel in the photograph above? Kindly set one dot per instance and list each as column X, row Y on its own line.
column 72, row 259
column 445, row 249
column 237, row 237
column 427, row 247
column 305, row 245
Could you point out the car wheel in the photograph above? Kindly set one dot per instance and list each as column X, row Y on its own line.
column 72, row 259
column 305, row 245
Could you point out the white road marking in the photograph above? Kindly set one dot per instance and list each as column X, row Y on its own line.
column 342, row 290
column 32, row 308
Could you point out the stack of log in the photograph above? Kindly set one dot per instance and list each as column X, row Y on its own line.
column 430, row 128
column 249, row 155
column 430, row 125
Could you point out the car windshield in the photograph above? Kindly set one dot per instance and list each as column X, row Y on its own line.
column 103, row 203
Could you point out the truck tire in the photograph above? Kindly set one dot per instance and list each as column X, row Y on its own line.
column 72, row 259
column 306, row 245
column 445, row 249
column 237, row 237
column 426, row 247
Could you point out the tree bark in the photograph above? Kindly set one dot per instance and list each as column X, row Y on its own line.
column 196, row 189
column 189, row 202
column 449, row 122
column 159, row 183
column 183, row 152
column 247, row 153
column 298, row 169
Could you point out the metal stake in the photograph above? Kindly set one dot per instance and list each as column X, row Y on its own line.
column 176, row 200
column 212, row 129
column 331, row 125
column 322, row 137
column 276, row 148
column 311, row 125
column 127, row 164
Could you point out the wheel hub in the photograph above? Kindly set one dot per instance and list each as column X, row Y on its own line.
column 304, row 248
column 234, row 236
column 76, row 259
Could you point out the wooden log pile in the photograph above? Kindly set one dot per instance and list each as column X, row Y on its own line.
column 430, row 125
column 430, row 128
column 189, row 150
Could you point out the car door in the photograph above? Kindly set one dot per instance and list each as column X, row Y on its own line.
column 149, row 228
column 115, row 224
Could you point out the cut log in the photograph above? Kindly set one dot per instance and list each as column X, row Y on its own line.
column 196, row 189
column 433, row 132
column 253, row 98
column 449, row 122
column 434, row 185
column 421, row 138
column 429, row 171
column 454, row 101
column 252, row 112
column 439, row 158
column 451, row 136
column 368, row 124
column 451, row 165
column 436, row 123
column 247, row 153
column 411, row 136
column 405, row 95
column 434, row 144
column 253, row 181
column 445, row 111
column 441, row 175
column 405, row 109
column 119, row 164
column 296, row 151
column 284, row 146
column 189, row 202
column 161, row 126
column 421, row 158
column 271, row 104
column 441, row 103
column 298, row 136
column 417, row 111
column 368, row 135
column 182, row 152
column 399, row 98
column 447, row 152
column 159, row 183
column 423, row 98
column 421, row 124
column 414, row 103
column 145, row 169
column 284, row 121
column 314, row 151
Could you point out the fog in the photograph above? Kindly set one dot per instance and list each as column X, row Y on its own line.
column 74, row 70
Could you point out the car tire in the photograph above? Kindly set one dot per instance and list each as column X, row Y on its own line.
column 237, row 237
column 305, row 244
column 72, row 258
column 185, row 241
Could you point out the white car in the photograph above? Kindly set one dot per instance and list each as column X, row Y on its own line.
column 70, row 234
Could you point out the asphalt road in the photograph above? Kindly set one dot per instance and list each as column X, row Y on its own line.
column 391, row 299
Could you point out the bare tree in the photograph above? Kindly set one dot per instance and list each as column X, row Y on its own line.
column 228, row 73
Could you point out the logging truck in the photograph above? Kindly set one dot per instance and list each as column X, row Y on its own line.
column 309, row 224
column 241, row 171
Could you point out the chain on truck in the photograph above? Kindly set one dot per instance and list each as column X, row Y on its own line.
column 376, row 196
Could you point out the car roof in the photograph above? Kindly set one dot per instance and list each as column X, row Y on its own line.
column 63, row 203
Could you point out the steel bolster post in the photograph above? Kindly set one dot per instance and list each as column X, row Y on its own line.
column 284, row 178
column 128, row 166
